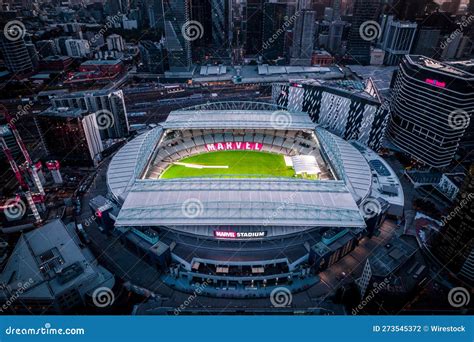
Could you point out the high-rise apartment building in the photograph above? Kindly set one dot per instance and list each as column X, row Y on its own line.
column 15, row 54
column 109, row 105
column 430, row 109
column 70, row 135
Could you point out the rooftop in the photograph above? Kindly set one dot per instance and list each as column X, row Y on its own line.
column 263, row 73
column 353, row 87
column 390, row 257
column 437, row 66
column 97, row 92
column 50, row 260
column 237, row 115
column 102, row 62
column 65, row 112
column 380, row 75
column 232, row 202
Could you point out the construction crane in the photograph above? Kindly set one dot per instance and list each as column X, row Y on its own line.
column 23, row 185
column 25, row 189
column 29, row 163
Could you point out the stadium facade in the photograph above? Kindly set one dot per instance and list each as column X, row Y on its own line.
column 352, row 110
column 242, row 234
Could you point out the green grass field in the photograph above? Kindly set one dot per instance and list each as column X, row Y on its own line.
column 241, row 164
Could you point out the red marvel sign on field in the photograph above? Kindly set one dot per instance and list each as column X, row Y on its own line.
column 234, row 145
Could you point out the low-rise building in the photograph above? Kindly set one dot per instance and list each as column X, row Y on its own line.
column 50, row 272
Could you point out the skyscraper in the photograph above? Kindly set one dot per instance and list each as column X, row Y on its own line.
column 273, row 30
column 178, row 44
column 358, row 45
column 431, row 107
column 454, row 245
column 398, row 41
column 427, row 42
column 213, row 16
column 253, row 26
column 152, row 56
column 303, row 36
column 336, row 29
column 200, row 11
column 156, row 15
column 15, row 54
column 219, row 15
column 336, row 6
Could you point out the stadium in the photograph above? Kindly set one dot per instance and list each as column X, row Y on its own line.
column 244, row 197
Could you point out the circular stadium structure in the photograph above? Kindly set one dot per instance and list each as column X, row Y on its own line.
column 242, row 197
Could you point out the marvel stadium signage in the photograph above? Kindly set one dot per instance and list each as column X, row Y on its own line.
column 224, row 234
column 234, row 145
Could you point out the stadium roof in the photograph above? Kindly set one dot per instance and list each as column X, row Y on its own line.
column 122, row 170
column 210, row 201
column 238, row 115
column 350, row 163
column 275, row 202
